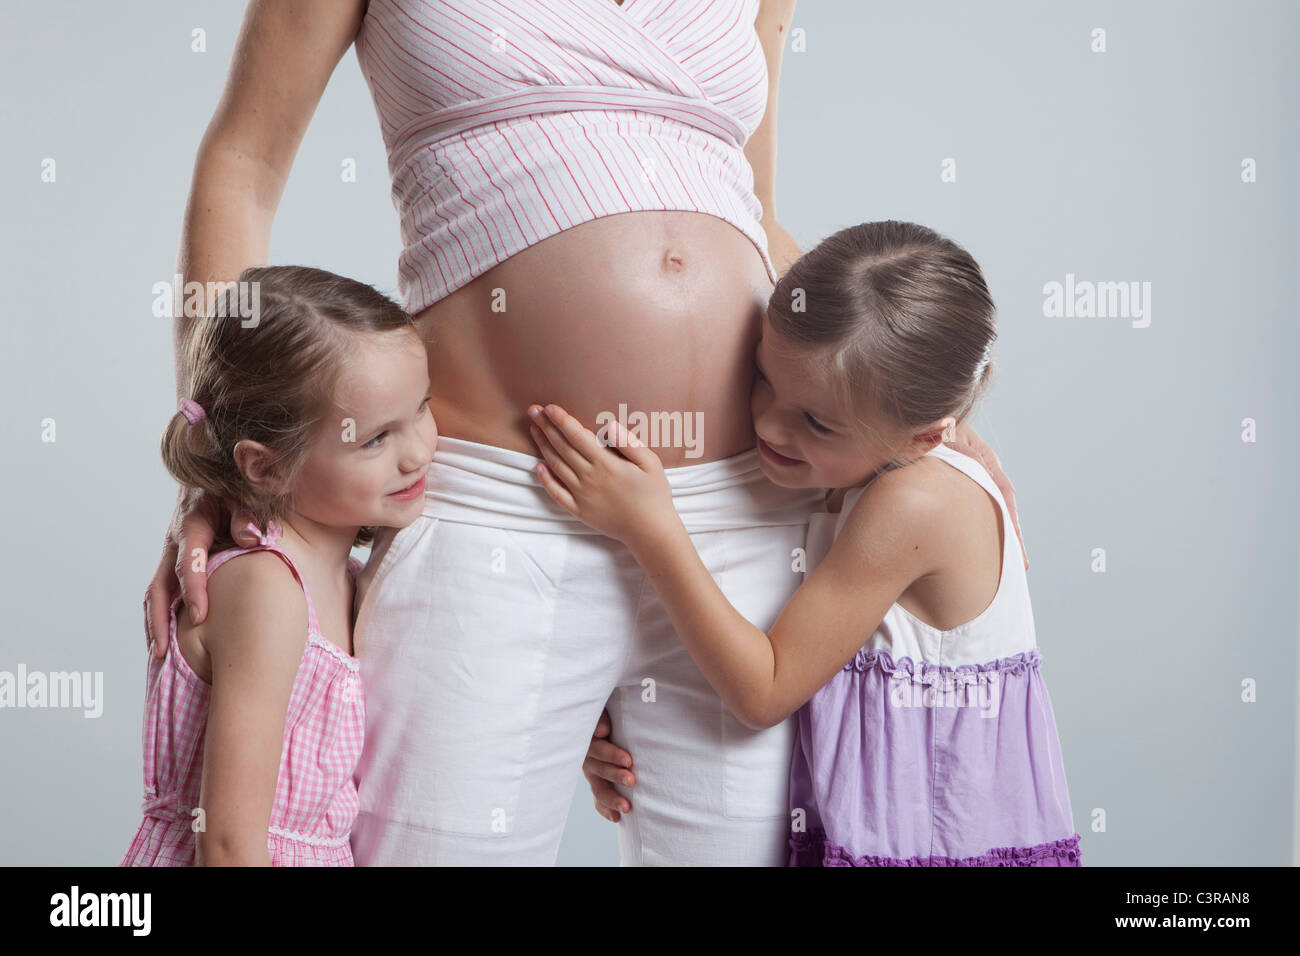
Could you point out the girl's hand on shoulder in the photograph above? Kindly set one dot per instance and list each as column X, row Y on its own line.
column 625, row 496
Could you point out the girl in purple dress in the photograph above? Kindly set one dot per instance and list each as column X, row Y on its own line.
column 926, row 735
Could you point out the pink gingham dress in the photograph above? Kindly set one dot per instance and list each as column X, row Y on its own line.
column 316, row 798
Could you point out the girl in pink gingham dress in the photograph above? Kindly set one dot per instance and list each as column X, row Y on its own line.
column 313, row 422
column 315, row 798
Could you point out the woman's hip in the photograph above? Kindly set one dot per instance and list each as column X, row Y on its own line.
column 494, row 579
column 473, row 483
column 494, row 573
column 476, row 637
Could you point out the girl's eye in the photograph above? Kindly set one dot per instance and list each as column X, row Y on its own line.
column 374, row 442
column 817, row 426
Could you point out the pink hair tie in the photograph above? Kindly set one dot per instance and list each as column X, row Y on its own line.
column 192, row 410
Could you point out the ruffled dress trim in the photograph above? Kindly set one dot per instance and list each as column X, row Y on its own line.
column 926, row 672
column 813, row 849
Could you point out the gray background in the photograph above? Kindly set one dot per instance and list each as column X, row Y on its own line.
column 1119, row 166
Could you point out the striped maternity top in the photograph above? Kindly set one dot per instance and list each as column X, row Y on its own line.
column 509, row 122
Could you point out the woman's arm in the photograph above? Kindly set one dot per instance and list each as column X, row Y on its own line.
column 283, row 59
column 254, row 638
column 889, row 540
column 772, row 24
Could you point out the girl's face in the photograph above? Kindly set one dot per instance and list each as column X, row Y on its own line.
column 367, row 461
column 806, row 437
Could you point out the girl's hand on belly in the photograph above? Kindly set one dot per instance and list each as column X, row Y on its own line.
column 627, row 498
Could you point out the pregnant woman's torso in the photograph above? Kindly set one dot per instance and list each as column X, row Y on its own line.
column 655, row 311
column 649, row 310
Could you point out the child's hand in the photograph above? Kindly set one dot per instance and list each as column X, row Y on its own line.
column 606, row 765
column 626, row 498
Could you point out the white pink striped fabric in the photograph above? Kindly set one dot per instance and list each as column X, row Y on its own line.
column 507, row 122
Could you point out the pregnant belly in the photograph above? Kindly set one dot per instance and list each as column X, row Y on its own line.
column 646, row 318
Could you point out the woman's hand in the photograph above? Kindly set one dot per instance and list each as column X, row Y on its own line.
column 184, row 563
column 627, row 498
column 968, row 442
column 606, row 765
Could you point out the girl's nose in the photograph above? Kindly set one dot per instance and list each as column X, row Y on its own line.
column 768, row 427
column 417, row 453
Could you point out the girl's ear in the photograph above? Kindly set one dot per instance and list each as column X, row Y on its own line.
column 944, row 430
column 256, row 463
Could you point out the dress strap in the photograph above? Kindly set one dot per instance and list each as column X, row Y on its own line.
column 969, row 466
column 269, row 542
column 974, row 469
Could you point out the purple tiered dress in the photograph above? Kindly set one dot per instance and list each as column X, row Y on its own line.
column 934, row 748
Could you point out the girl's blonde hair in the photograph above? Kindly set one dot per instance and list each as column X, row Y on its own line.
column 271, row 380
column 902, row 315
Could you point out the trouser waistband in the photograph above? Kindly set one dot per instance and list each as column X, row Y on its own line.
column 480, row 484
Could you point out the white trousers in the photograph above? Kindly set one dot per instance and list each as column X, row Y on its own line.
column 492, row 631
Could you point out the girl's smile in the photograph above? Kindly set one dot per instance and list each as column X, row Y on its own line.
column 776, row 457
column 411, row 491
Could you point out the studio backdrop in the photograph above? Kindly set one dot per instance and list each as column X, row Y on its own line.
column 1125, row 173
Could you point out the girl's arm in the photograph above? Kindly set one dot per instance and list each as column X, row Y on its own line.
column 887, row 542
column 254, row 636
